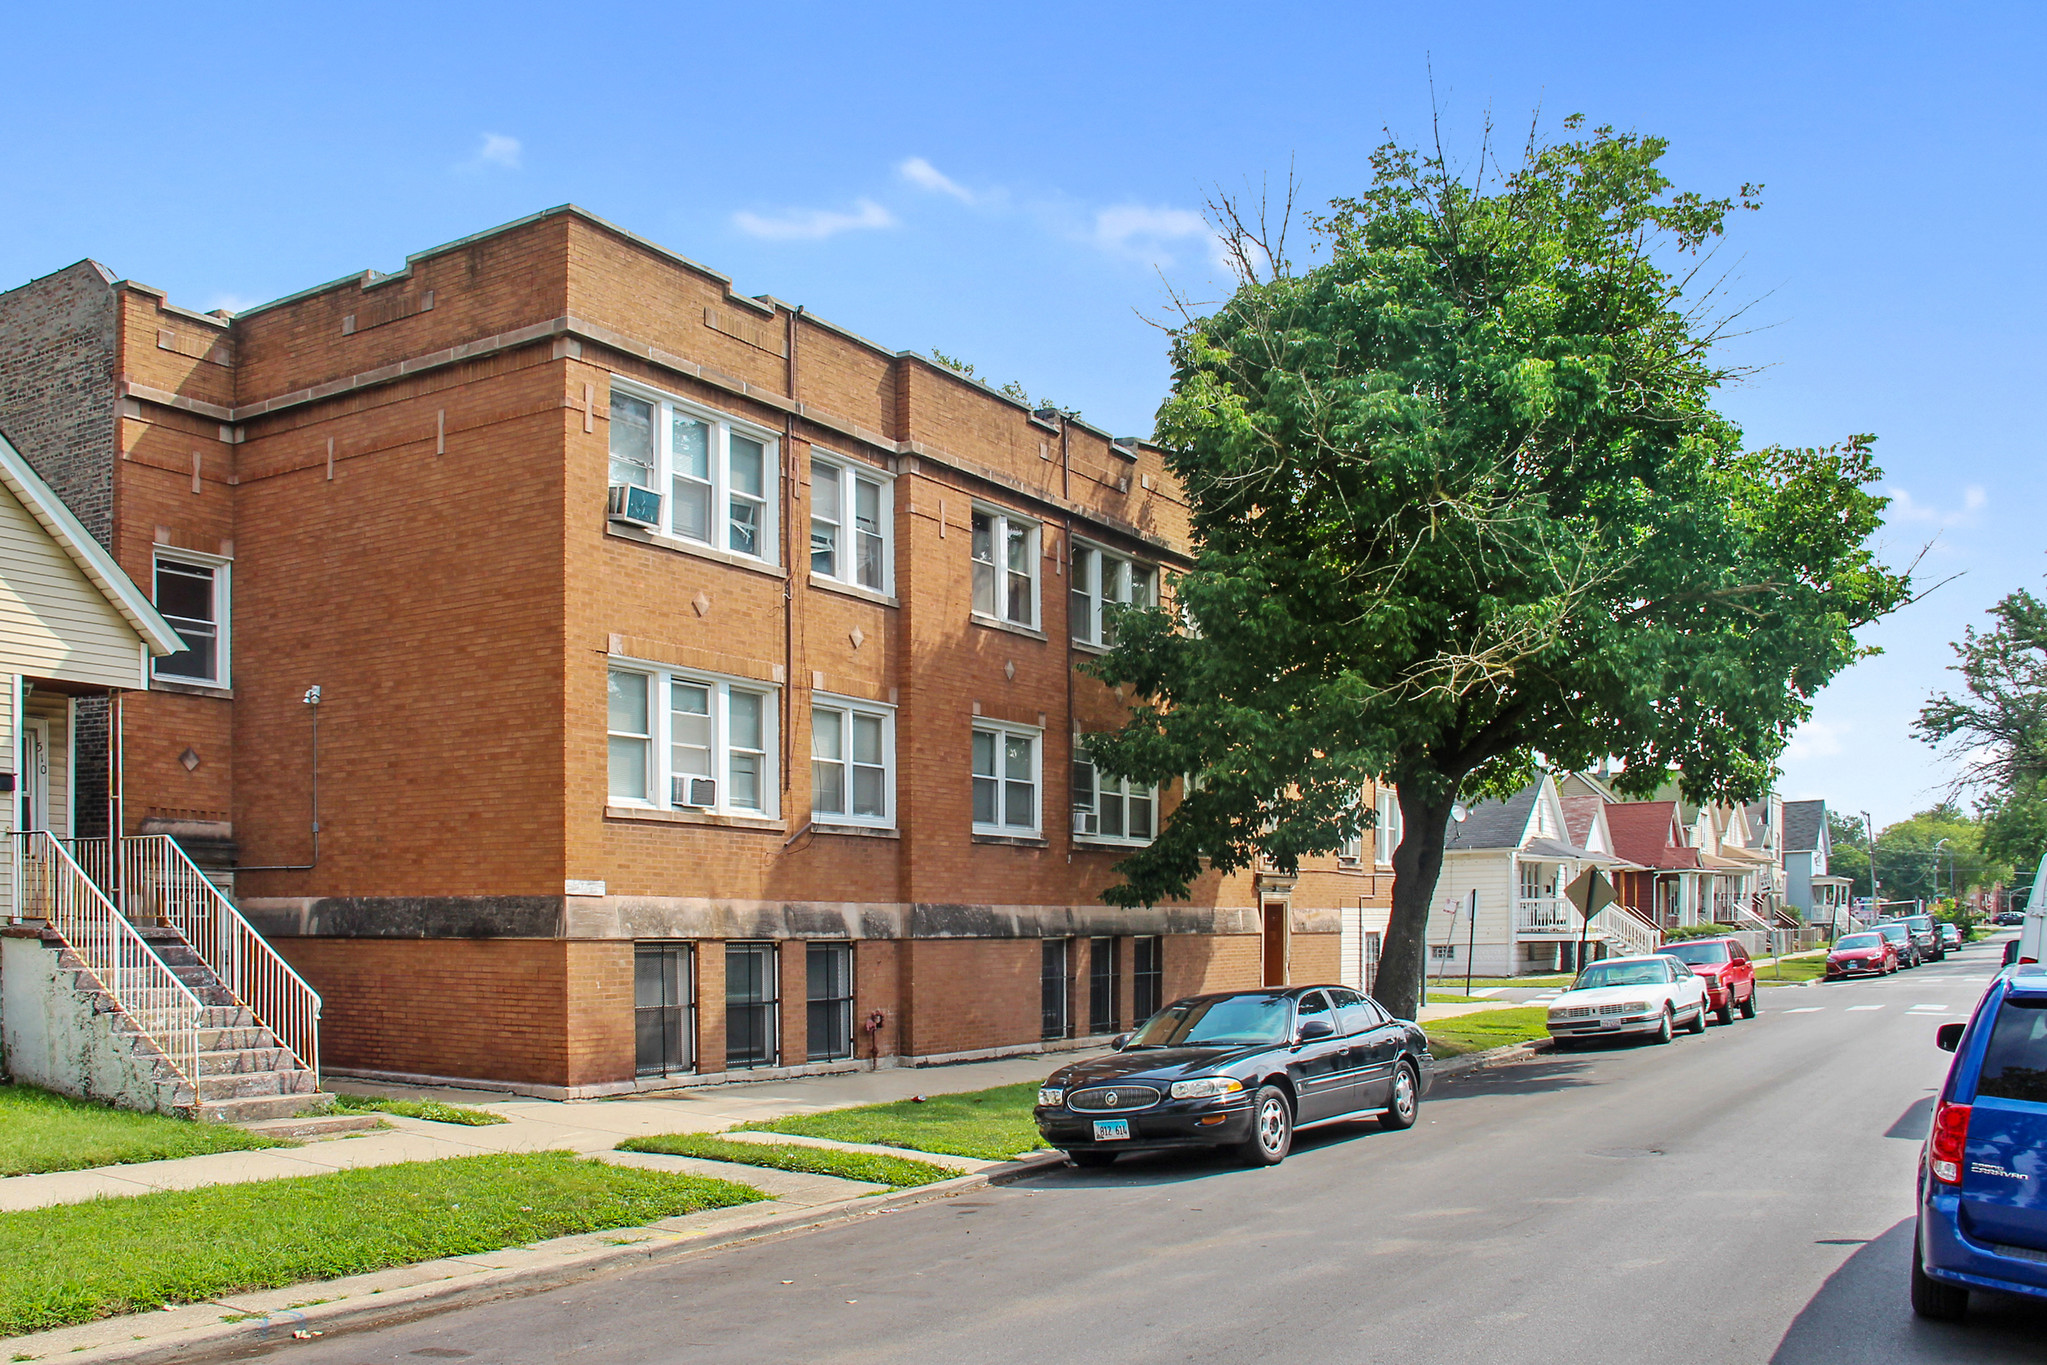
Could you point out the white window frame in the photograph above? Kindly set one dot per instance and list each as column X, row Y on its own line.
column 663, row 473
column 850, row 474
column 1002, row 522
column 1092, row 566
column 660, row 719
column 846, row 708
column 1386, row 834
column 223, row 601
column 1003, row 732
column 1100, row 785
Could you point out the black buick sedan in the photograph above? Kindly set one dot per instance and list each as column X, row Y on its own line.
column 1240, row 1070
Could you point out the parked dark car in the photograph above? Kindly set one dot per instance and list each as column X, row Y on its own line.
column 1901, row 938
column 1926, row 936
column 1724, row 965
column 1242, row 1070
column 1982, row 1220
column 1856, row 954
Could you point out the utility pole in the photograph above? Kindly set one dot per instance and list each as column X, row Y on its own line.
column 1869, row 837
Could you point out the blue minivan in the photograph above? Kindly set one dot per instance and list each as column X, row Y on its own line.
column 1983, row 1171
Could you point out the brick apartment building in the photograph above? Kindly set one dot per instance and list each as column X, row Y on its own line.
column 523, row 720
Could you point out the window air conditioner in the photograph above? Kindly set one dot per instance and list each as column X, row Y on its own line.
column 695, row 792
column 634, row 506
column 1086, row 822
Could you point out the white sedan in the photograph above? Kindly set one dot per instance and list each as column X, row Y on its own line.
column 1650, row 995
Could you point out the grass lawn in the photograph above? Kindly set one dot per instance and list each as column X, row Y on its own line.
column 1488, row 982
column 1486, row 1029
column 41, row 1132
column 76, row 1262
column 993, row 1125
column 898, row 1171
column 420, row 1109
column 1452, row 998
column 1790, row 971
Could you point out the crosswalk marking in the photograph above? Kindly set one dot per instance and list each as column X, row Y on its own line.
column 1853, row 1008
column 1806, row 1009
column 1927, row 1009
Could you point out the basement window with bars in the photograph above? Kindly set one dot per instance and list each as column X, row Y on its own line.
column 714, row 479
column 850, row 524
column 752, row 1005
column 1052, row 987
column 829, row 967
column 1103, row 985
column 1101, row 581
column 691, row 741
column 664, row 1008
column 1147, row 980
column 1005, row 556
column 191, row 594
column 852, row 761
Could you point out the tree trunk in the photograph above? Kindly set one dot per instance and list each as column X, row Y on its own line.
column 1417, row 865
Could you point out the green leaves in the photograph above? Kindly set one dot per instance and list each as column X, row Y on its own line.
column 1462, row 504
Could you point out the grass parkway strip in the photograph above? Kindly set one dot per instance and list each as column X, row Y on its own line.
column 72, row 1263
column 993, row 1125
column 901, row 1172
column 1486, row 1029
column 420, row 1109
column 41, row 1132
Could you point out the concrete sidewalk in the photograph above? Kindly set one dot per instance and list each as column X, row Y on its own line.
column 586, row 1127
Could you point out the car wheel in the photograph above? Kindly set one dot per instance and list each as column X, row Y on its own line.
column 1406, row 1100
column 1931, row 1298
column 1665, row 1031
column 1698, row 1024
column 1092, row 1159
column 1748, row 1006
column 1726, row 1011
column 1272, row 1129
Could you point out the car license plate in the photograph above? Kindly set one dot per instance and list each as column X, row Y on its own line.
column 1112, row 1130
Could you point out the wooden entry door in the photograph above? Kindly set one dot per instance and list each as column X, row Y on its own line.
column 1276, row 943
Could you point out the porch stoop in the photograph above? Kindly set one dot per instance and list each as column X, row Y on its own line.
column 245, row 1075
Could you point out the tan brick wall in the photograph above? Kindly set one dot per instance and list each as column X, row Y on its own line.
column 1316, row 958
column 965, row 994
column 489, row 1009
column 599, row 1012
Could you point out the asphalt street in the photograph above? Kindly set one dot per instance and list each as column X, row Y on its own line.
column 1745, row 1196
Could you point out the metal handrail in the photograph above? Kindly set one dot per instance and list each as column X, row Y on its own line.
column 54, row 888
column 159, row 881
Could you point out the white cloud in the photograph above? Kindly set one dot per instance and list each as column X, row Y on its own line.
column 1905, row 507
column 494, row 152
column 1143, row 233
column 1815, row 739
column 924, row 175
column 813, row 225
column 230, row 303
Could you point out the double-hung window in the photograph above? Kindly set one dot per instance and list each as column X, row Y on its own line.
column 1112, row 809
column 691, row 741
column 191, row 593
column 852, row 761
column 716, row 473
column 850, row 524
column 1386, row 833
column 1101, row 579
column 1006, row 779
column 1005, row 553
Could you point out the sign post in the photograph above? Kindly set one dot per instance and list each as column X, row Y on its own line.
column 1590, row 893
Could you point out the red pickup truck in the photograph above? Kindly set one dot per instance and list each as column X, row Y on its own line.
column 1729, row 973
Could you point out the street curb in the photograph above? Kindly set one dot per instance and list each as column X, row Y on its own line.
column 1474, row 1061
column 353, row 1310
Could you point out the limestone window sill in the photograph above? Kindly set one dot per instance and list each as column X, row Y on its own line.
column 651, row 816
column 853, row 590
column 996, row 623
column 1013, row 840
column 676, row 545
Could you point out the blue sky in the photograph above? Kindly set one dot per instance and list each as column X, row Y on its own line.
column 1017, row 185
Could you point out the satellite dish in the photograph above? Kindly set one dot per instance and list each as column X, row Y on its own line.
column 1458, row 812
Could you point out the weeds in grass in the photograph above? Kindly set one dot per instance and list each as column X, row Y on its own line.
column 900, row 1172
column 434, row 1110
column 993, row 1124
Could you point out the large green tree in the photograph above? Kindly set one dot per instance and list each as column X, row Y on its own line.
column 1849, row 857
column 1462, row 506
column 1935, row 854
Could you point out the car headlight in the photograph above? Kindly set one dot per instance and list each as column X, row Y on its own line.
column 1050, row 1095
column 1206, row 1088
column 1635, row 1007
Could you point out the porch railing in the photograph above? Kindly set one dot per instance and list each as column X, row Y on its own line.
column 1553, row 915
column 159, row 882
column 55, row 888
column 1545, row 915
